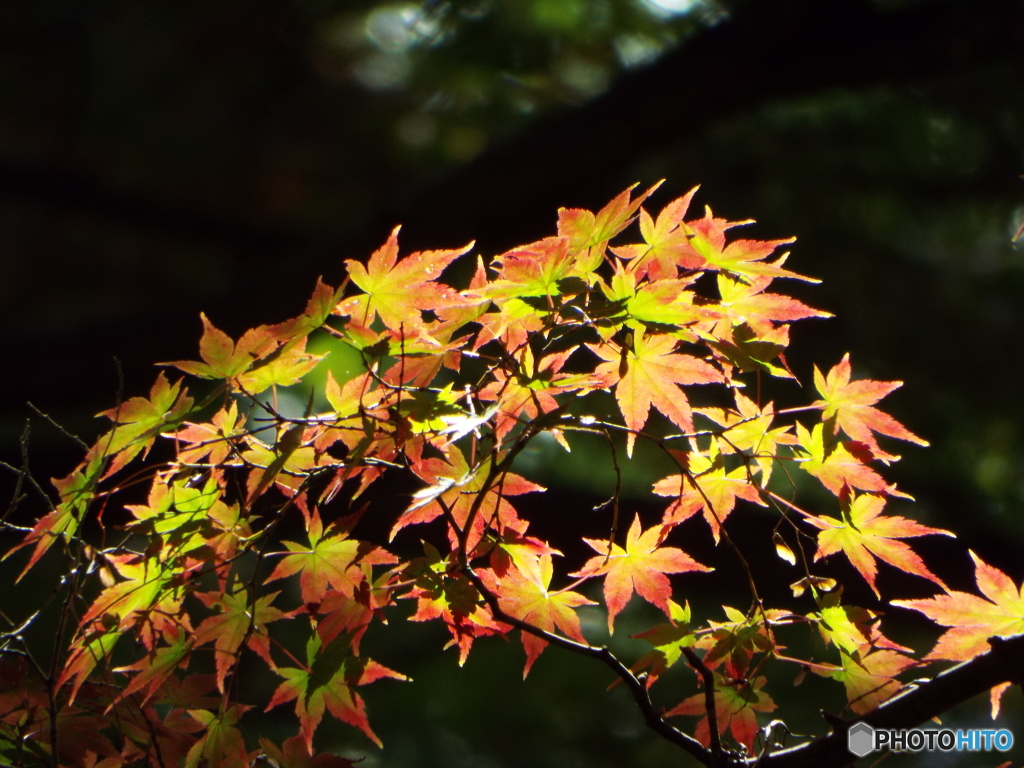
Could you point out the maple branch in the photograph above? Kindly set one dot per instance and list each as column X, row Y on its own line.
column 709, row 701
column 915, row 705
column 652, row 717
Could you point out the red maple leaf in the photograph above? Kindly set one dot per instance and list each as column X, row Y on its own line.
column 640, row 568
column 666, row 246
column 749, row 302
column 588, row 233
column 736, row 705
column 744, row 258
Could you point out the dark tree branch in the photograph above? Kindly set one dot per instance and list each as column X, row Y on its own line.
column 916, row 705
column 654, row 720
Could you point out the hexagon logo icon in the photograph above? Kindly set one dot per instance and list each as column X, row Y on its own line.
column 860, row 739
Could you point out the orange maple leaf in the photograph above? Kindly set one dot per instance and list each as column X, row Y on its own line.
column 865, row 534
column 647, row 375
column 709, row 486
column 397, row 291
column 852, row 405
column 640, row 568
column 972, row 620
column 327, row 561
column 526, row 597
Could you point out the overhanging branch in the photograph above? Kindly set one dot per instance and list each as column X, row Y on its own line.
column 916, row 705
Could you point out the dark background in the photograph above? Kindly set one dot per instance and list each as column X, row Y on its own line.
column 160, row 159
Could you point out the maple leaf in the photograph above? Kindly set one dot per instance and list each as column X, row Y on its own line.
column 740, row 257
column 748, row 428
column 736, row 705
column 749, row 350
column 836, row 466
column 452, row 598
column 870, row 677
column 530, row 270
column 76, row 493
column 865, row 534
column 224, row 358
column 294, row 754
column 138, row 421
column 734, row 642
column 640, row 567
column 851, row 404
column 228, row 628
column 648, row 374
column 667, row 247
column 532, row 390
column 222, row 744
column 326, row 685
column 285, row 464
column 668, row 641
column 328, row 560
column 396, row 291
column 280, row 370
column 453, row 484
column 157, row 666
column 588, row 233
column 530, row 600
column 747, row 302
column 972, row 619
column 664, row 301
column 213, row 439
column 710, row 487
column 851, row 628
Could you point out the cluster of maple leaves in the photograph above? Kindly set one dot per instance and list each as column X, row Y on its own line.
column 453, row 385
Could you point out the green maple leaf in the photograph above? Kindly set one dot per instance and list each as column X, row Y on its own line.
column 668, row 641
column 326, row 685
column 229, row 627
column 221, row 744
column 870, row 676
